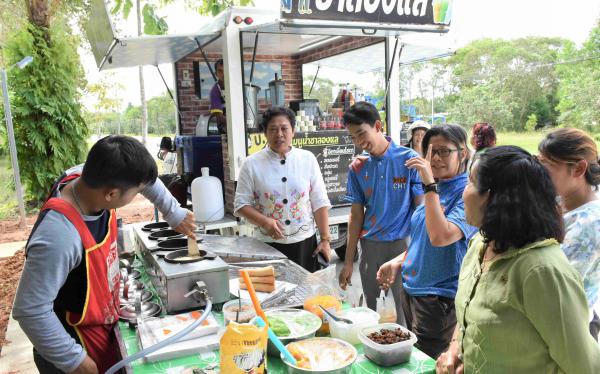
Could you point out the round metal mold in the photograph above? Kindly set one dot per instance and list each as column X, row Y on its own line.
column 164, row 234
column 148, row 309
column 174, row 244
column 174, row 257
column 130, row 299
column 155, row 226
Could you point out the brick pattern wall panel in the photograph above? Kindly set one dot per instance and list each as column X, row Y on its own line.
column 191, row 107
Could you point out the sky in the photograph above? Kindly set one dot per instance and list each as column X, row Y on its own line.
column 471, row 20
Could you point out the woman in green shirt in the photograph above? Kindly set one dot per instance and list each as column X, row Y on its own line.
column 520, row 305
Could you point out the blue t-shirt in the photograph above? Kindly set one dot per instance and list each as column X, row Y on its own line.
column 430, row 270
column 386, row 187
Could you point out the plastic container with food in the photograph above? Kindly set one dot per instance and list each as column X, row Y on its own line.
column 291, row 325
column 321, row 355
column 231, row 310
column 384, row 352
column 362, row 317
column 331, row 303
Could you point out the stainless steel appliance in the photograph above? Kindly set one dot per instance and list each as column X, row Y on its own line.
column 173, row 281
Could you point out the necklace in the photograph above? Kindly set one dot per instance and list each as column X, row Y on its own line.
column 76, row 199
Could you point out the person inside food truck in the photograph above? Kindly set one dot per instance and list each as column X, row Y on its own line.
column 383, row 193
column 217, row 97
column 67, row 302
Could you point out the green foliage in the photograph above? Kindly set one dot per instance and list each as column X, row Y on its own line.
column 161, row 118
column 153, row 24
column 322, row 89
column 482, row 103
column 531, row 123
column 579, row 89
column 49, row 128
column 516, row 75
column 122, row 6
column 214, row 7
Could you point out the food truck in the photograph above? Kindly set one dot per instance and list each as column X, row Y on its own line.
column 271, row 57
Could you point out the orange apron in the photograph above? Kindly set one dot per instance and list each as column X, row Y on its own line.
column 94, row 325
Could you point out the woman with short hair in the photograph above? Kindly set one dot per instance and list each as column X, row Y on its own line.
column 520, row 305
column 281, row 191
column 571, row 158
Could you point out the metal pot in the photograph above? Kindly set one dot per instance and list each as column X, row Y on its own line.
column 251, row 92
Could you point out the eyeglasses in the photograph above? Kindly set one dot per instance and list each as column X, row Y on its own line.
column 443, row 152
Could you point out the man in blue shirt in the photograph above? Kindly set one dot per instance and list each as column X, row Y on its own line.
column 383, row 193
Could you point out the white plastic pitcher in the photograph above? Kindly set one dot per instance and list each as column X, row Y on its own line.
column 207, row 198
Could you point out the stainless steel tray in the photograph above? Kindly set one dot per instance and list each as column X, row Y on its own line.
column 286, row 270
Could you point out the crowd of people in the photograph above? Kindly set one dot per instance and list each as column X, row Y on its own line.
column 492, row 254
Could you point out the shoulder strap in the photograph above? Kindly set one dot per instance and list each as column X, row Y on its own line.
column 74, row 217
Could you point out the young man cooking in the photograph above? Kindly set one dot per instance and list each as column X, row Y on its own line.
column 67, row 301
column 383, row 193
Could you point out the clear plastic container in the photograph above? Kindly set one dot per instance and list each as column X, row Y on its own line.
column 362, row 318
column 231, row 308
column 387, row 354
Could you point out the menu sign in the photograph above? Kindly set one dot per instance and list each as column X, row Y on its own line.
column 334, row 152
column 398, row 12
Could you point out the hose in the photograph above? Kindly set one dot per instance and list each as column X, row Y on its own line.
column 164, row 343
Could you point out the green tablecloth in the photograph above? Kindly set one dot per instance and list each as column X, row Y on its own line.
column 419, row 361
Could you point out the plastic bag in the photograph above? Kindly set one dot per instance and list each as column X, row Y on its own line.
column 386, row 307
column 243, row 349
column 354, row 296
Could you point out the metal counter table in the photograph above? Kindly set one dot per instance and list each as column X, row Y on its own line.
column 419, row 362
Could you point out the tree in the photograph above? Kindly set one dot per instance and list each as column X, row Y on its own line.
column 579, row 89
column 322, row 89
column 520, row 72
column 49, row 128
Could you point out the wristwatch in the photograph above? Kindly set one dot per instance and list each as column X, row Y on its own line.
column 432, row 187
column 326, row 238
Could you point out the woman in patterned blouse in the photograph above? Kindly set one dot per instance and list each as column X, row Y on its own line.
column 281, row 191
column 571, row 157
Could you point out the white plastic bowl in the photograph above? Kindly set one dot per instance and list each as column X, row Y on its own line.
column 387, row 354
column 362, row 318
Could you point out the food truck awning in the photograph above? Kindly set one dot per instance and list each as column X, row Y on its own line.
column 112, row 52
column 420, row 42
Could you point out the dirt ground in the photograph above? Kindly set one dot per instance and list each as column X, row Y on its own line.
column 139, row 210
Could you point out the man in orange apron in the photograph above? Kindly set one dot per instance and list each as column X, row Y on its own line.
column 68, row 297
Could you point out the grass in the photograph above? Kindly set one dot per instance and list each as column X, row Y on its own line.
column 8, row 200
column 528, row 141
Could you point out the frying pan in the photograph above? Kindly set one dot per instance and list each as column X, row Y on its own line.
column 174, row 244
column 155, row 226
column 172, row 257
column 164, row 234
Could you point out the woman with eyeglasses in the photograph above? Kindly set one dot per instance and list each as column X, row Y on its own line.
column 571, row 158
column 439, row 235
column 281, row 191
column 520, row 305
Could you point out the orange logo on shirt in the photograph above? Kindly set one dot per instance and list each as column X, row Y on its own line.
column 399, row 182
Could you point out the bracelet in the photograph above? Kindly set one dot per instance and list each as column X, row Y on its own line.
column 326, row 238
